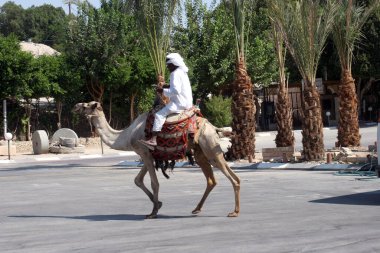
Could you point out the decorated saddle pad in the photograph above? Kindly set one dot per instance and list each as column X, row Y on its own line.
column 172, row 140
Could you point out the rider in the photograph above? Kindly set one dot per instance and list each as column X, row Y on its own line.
column 179, row 93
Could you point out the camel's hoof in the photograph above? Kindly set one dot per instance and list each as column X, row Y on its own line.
column 151, row 216
column 196, row 211
column 233, row 214
column 159, row 204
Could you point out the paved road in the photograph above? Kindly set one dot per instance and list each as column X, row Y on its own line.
column 98, row 208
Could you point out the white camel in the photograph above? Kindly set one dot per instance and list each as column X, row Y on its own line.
column 207, row 152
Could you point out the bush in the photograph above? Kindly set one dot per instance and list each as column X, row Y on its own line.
column 218, row 111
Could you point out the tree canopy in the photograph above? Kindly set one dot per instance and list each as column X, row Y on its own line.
column 104, row 57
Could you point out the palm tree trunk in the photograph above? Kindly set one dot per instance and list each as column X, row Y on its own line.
column 312, row 127
column 243, row 110
column 284, row 137
column 348, row 130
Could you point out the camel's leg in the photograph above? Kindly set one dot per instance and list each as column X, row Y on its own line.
column 155, row 187
column 139, row 181
column 209, row 174
column 221, row 163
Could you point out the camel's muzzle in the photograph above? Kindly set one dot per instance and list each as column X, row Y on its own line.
column 78, row 108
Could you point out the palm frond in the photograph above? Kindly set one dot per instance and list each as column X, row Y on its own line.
column 239, row 10
column 305, row 26
column 239, row 18
column 347, row 28
column 280, row 49
column 155, row 19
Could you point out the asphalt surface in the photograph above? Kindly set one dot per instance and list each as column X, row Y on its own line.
column 89, row 203
column 97, row 208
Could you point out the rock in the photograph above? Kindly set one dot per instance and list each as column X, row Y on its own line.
column 40, row 142
column 64, row 133
column 66, row 150
column 67, row 142
column 346, row 151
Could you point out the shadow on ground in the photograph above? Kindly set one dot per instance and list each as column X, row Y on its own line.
column 365, row 198
column 107, row 217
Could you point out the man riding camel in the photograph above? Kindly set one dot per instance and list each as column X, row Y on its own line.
column 179, row 93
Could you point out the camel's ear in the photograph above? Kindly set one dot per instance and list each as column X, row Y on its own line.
column 94, row 106
column 97, row 105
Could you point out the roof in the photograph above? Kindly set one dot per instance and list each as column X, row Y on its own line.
column 37, row 49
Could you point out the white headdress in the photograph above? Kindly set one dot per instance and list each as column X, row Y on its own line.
column 177, row 60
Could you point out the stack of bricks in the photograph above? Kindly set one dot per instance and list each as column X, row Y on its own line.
column 281, row 153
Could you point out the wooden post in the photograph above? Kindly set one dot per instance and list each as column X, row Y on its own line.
column 329, row 158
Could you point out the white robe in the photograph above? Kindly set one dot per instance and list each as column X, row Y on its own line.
column 180, row 95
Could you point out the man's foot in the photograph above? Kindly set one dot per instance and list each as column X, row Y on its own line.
column 149, row 143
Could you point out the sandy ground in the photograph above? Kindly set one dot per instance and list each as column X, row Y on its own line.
column 26, row 147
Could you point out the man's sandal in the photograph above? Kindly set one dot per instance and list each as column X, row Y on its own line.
column 149, row 144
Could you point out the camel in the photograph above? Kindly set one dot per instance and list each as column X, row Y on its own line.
column 207, row 153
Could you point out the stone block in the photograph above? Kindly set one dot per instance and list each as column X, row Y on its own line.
column 280, row 153
column 64, row 133
column 66, row 150
column 355, row 159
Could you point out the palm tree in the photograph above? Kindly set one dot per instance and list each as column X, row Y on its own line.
column 284, row 118
column 346, row 35
column 243, row 107
column 305, row 25
column 155, row 19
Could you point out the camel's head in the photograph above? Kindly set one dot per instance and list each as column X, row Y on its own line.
column 88, row 109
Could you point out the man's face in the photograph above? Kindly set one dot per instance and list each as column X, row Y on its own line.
column 171, row 67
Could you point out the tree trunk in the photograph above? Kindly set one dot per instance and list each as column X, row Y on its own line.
column 58, row 104
column 348, row 130
column 284, row 137
column 312, row 127
column 132, row 107
column 28, row 110
column 243, row 112
column 95, row 88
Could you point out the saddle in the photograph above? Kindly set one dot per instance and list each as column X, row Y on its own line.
column 172, row 141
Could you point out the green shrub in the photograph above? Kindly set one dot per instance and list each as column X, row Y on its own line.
column 218, row 111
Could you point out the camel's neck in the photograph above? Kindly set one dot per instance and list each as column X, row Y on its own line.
column 109, row 136
column 126, row 139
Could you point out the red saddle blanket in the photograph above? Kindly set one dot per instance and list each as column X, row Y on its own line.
column 172, row 140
